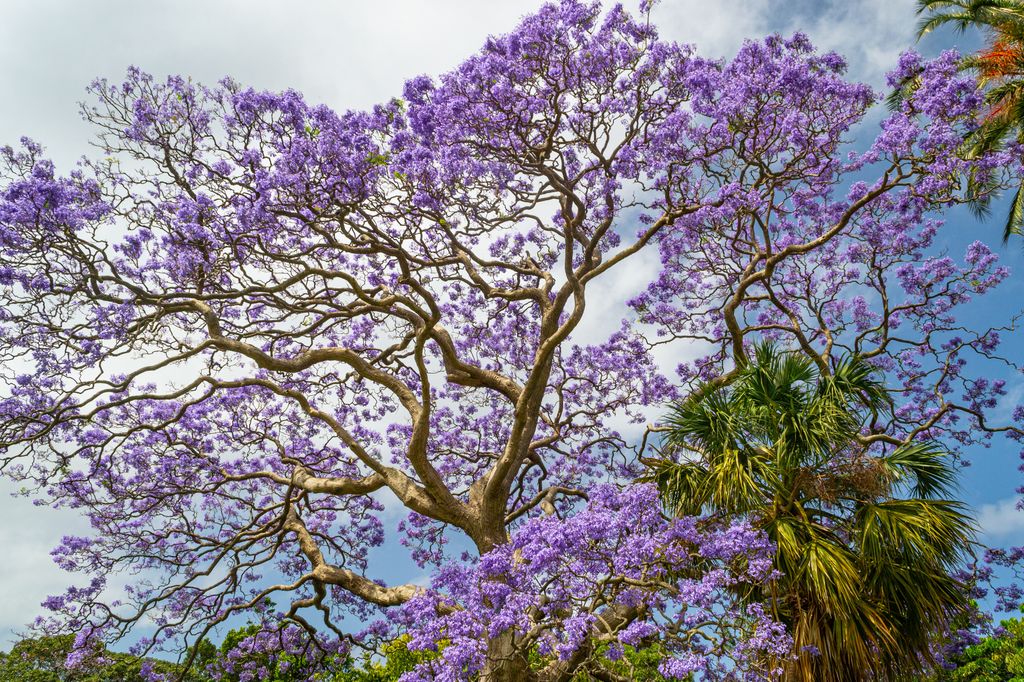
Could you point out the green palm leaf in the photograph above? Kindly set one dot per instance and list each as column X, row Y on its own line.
column 923, row 467
column 1015, row 217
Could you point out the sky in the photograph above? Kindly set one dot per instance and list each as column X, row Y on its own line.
column 351, row 55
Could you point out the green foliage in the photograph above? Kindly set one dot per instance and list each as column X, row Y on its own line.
column 42, row 660
column 866, row 540
column 997, row 658
column 398, row 659
column 392, row 661
column 635, row 664
column 281, row 668
column 378, row 159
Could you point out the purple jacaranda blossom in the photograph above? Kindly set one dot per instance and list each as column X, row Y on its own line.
column 556, row 579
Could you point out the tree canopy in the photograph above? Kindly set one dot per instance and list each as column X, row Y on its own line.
column 251, row 324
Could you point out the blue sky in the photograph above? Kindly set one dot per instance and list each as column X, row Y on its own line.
column 353, row 54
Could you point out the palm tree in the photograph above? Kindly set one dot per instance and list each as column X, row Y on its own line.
column 1000, row 70
column 865, row 542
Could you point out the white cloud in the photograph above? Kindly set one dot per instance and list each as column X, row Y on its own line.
column 869, row 33
column 1008, row 403
column 1001, row 518
column 715, row 28
column 346, row 54
column 29, row 574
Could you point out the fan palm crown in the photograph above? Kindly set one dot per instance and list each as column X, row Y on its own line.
column 866, row 542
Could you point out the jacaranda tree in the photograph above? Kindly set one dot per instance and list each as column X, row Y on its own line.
column 251, row 324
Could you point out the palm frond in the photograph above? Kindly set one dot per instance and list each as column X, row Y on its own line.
column 707, row 420
column 736, row 482
column 829, row 572
column 961, row 21
column 682, row 485
column 928, row 532
column 855, row 380
column 923, row 467
column 999, row 15
column 1015, row 217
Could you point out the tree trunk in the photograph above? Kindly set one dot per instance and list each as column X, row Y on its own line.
column 505, row 663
